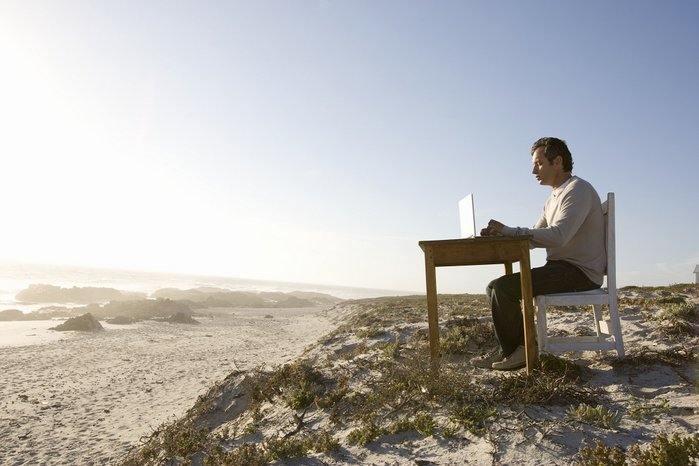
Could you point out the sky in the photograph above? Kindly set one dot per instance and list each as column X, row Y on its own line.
column 317, row 141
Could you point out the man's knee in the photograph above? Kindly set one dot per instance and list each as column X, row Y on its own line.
column 489, row 289
column 505, row 286
column 498, row 284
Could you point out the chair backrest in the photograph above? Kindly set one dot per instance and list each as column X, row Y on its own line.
column 608, row 209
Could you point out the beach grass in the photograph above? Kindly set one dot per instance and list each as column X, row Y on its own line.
column 370, row 382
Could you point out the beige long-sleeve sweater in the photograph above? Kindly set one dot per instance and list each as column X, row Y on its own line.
column 571, row 228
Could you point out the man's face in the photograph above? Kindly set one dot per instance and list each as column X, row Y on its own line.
column 545, row 171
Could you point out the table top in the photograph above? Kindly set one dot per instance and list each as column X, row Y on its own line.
column 477, row 239
column 480, row 250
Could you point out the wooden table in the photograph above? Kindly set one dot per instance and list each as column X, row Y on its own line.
column 480, row 251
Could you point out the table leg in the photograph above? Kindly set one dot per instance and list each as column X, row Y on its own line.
column 528, row 309
column 432, row 317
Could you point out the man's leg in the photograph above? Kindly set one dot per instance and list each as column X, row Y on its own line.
column 505, row 294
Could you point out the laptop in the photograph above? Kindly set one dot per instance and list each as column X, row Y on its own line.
column 467, row 217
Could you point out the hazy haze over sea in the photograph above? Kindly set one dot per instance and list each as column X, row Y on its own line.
column 16, row 277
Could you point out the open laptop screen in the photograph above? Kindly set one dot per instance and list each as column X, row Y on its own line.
column 467, row 217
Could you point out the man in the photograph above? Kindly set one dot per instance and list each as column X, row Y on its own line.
column 571, row 229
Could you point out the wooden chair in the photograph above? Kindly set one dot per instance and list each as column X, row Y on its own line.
column 608, row 335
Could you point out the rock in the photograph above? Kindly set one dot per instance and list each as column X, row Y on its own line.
column 42, row 293
column 122, row 320
column 144, row 309
column 218, row 297
column 182, row 318
column 12, row 314
column 84, row 323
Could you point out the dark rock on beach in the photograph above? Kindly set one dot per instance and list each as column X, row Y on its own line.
column 182, row 318
column 83, row 323
column 122, row 320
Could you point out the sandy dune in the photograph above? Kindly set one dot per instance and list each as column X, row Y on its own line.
column 88, row 398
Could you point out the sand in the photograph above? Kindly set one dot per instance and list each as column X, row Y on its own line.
column 651, row 392
column 87, row 398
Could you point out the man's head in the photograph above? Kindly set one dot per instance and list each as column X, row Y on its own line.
column 552, row 148
column 551, row 161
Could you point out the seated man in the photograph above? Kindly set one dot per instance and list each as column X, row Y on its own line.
column 571, row 229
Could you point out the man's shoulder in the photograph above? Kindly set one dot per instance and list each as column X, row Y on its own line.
column 580, row 185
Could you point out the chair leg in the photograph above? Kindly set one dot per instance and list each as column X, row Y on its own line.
column 605, row 328
column 597, row 311
column 618, row 340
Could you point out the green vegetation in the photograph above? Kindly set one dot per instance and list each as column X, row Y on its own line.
column 677, row 288
column 555, row 381
column 374, row 379
column 599, row 416
column 370, row 332
column 648, row 357
column 386, row 312
column 297, row 385
column 170, row 440
column 642, row 410
column 463, row 336
column 648, row 297
column 677, row 450
column 602, row 455
column 677, row 319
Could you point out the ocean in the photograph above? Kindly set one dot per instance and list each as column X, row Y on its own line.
column 16, row 277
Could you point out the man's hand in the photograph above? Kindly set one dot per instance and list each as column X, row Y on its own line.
column 494, row 228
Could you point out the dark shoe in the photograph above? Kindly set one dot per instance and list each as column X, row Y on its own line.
column 517, row 360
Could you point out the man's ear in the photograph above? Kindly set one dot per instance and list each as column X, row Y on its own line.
column 558, row 160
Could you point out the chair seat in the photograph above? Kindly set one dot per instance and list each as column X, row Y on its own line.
column 596, row 291
column 563, row 344
column 596, row 296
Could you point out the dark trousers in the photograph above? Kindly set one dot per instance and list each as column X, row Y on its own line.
column 505, row 294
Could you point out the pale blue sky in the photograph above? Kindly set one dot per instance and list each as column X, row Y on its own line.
column 319, row 141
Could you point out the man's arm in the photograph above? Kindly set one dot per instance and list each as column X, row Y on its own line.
column 570, row 215
column 496, row 228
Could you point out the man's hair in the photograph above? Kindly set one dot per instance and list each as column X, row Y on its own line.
column 553, row 147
